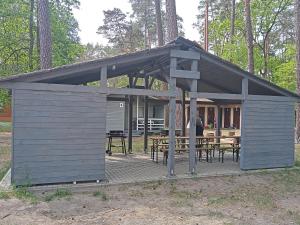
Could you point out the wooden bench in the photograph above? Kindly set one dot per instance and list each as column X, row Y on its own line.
column 234, row 148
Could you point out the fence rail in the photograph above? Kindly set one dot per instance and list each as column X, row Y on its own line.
column 153, row 124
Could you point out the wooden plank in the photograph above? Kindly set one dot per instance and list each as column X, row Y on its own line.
column 185, row 74
column 103, row 79
column 172, row 120
column 245, row 88
column 130, row 116
column 139, row 92
column 93, row 176
column 271, row 98
column 146, row 104
column 184, row 54
column 58, row 103
column 54, row 87
column 192, row 133
column 220, row 96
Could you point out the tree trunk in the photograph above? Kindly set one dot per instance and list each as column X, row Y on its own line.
column 232, row 22
column 172, row 33
column 249, row 36
column 45, row 34
column 31, row 37
column 297, row 24
column 159, row 28
column 172, row 28
column 206, row 27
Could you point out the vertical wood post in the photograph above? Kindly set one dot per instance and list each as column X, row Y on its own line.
column 172, row 118
column 245, row 91
column 130, row 115
column 231, row 116
column 103, row 81
column 183, row 124
column 193, row 116
column 146, row 116
column 205, row 116
column 218, row 122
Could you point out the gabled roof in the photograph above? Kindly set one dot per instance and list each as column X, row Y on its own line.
column 217, row 75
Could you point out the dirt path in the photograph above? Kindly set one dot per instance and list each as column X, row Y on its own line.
column 252, row 199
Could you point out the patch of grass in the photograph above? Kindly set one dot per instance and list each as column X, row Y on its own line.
column 5, row 195
column 3, row 170
column 295, row 216
column 297, row 162
column 101, row 194
column 288, row 180
column 23, row 193
column 136, row 193
column 152, row 185
column 186, row 194
column 58, row 194
column 259, row 197
column 215, row 214
column 5, row 127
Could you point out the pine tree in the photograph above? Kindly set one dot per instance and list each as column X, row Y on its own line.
column 45, row 34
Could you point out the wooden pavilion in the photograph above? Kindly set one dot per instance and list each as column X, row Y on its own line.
column 59, row 122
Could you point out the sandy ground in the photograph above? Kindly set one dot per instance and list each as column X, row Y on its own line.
column 249, row 199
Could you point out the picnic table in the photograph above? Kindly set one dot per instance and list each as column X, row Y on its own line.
column 206, row 144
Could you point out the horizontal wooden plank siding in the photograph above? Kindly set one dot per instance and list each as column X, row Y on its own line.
column 267, row 132
column 58, row 136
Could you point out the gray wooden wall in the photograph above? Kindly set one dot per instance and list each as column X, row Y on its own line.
column 58, row 136
column 115, row 116
column 267, row 132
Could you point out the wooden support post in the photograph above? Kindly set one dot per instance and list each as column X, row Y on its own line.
column 130, row 115
column 218, row 122
column 231, row 116
column 245, row 92
column 183, row 124
column 205, row 116
column 103, row 81
column 172, row 119
column 146, row 116
column 193, row 116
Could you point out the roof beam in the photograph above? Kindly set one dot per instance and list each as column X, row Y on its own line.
column 185, row 54
column 217, row 96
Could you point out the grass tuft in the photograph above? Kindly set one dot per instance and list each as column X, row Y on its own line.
column 58, row 194
column 5, row 127
column 5, row 195
column 4, row 170
column 101, row 194
column 23, row 193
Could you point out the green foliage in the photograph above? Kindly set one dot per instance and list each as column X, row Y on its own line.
column 4, row 169
column 24, row 194
column 15, row 37
column 5, row 127
column 101, row 194
column 274, row 37
column 58, row 194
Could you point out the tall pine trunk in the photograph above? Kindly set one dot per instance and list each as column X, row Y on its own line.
column 206, row 27
column 31, row 36
column 297, row 24
column 172, row 33
column 249, row 36
column 172, row 27
column 159, row 28
column 44, row 34
column 232, row 21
